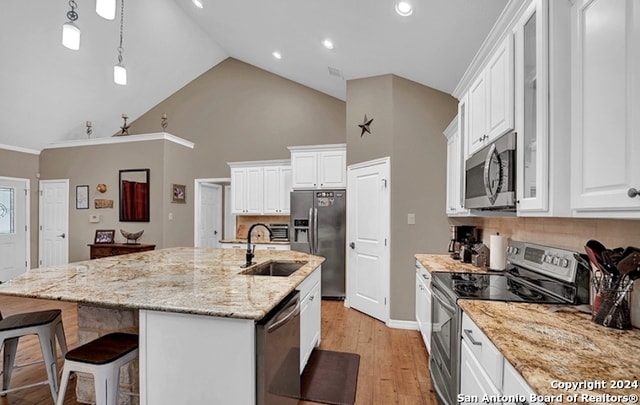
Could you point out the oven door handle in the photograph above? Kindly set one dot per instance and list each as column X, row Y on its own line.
column 442, row 299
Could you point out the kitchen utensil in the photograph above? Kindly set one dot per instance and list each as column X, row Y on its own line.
column 630, row 262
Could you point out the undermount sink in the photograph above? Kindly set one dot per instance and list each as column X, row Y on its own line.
column 274, row 269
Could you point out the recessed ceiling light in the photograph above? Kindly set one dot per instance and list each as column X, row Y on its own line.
column 276, row 55
column 327, row 44
column 197, row 3
column 404, row 9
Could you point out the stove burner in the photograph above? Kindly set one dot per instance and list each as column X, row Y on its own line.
column 467, row 289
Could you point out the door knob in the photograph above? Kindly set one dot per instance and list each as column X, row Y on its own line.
column 632, row 192
column 352, row 245
column 62, row 236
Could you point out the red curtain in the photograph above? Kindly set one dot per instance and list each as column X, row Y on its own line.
column 134, row 204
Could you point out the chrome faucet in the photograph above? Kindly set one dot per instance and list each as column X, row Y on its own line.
column 250, row 250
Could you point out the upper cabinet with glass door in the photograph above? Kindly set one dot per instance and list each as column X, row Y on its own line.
column 541, row 73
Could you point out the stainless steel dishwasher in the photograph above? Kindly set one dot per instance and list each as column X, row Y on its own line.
column 278, row 354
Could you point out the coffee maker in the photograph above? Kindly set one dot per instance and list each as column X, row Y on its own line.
column 462, row 237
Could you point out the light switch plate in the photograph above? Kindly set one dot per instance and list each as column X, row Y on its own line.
column 94, row 219
column 411, row 219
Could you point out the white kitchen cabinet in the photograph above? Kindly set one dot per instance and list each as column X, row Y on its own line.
column 490, row 99
column 486, row 354
column 455, row 163
column 260, row 187
column 515, row 386
column 319, row 166
column 605, row 127
column 277, row 185
column 246, row 190
column 423, row 304
column 310, row 312
column 474, row 381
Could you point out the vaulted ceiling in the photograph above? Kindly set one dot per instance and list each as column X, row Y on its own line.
column 48, row 92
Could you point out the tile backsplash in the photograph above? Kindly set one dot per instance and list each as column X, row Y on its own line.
column 567, row 233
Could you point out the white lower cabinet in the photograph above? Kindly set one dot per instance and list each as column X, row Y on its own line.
column 481, row 364
column 485, row 375
column 310, row 311
column 423, row 304
column 516, row 388
column 475, row 383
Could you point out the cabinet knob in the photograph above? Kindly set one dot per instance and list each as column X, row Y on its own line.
column 632, row 192
column 352, row 245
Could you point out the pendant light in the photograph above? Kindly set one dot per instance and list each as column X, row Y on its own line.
column 70, row 31
column 106, row 9
column 119, row 71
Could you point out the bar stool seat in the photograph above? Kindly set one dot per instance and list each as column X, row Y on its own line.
column 47, row 325
column 102, row 358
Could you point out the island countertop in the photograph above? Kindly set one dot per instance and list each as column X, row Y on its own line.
column 202, row 281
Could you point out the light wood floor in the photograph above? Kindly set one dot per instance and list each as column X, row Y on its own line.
column 393, row 363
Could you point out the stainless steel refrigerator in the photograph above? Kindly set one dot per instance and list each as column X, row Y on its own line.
column 318, row 226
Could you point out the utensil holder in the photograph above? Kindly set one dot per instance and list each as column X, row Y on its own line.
column 611, row 306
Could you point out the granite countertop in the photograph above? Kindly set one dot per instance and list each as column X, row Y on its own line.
column 546, row 345
column 433, row 263
column 202, row 281
column 261, row 242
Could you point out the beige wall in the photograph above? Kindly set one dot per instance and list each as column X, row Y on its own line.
column 408, row 122
column 24, row 166
column 92, row 165
column 177, row 218
column 237, row 112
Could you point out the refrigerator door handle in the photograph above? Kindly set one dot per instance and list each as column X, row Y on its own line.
column 315, row 231
column 311, row 231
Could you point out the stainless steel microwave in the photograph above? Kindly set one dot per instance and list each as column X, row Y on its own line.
column 490, row 176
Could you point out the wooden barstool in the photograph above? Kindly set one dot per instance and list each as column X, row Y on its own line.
column 102, row 358
column 47, row 325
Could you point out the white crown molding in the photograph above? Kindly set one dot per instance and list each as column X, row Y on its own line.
column 19, row 149
column 303, row 148
column 280, row 162
column 500, row 30
column 122, row 139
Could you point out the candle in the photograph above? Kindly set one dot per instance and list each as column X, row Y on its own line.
column 124, row 115
column 88, row 123
column 164, row 116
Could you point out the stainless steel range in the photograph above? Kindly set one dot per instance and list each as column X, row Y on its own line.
column 535, row 274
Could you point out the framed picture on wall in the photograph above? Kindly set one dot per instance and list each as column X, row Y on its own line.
column 104, row 236
column 82, row 197
column 178, row 193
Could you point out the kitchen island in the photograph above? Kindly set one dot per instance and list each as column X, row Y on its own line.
column 196, row 314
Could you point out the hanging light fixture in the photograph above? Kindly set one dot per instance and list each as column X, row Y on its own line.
column 70, row 31
column 119, row 71
column 106, row 9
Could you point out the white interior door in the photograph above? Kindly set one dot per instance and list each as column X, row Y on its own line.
column 54, row 222
column 14, row 234
column 367, row 236
column 210, row 222
column 229, row 218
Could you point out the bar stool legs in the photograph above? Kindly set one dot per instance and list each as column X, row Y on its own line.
column 47, row 325
column 102, row 358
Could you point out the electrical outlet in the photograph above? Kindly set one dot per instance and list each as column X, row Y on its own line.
column 94, row 219
column 170, row 216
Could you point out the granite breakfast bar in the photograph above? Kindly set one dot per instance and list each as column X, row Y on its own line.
column 196, row 314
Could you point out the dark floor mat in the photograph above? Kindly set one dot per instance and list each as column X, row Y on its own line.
column 330, row 378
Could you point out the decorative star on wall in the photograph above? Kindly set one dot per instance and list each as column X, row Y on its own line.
column 365, row 125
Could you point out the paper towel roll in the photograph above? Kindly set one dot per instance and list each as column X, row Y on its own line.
column 498, row 255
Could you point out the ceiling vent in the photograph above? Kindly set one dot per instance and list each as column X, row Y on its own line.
column 336, row 72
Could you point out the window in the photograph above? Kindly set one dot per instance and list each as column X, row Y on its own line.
column 7, row 212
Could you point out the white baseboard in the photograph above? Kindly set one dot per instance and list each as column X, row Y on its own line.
column 411, row 325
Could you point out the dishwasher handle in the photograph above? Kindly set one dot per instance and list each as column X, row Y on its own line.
column 290, row 311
